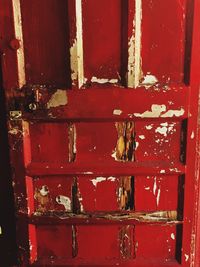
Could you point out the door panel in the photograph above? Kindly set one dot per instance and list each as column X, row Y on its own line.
column 103, row 122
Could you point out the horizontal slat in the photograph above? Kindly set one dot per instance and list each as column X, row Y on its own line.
column 115, row 104
column 116, row 168
column 108, row 262
column 136, row 218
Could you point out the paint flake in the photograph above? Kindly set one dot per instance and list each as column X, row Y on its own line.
column 103, row 80
column 117, row 112
column 173, row 236
column 157, row 111
column 186, row 257
column 65, row 201
column 149, row 80
column 98, row 180
column 44, row 191
column 142, row 137
column 59, row 98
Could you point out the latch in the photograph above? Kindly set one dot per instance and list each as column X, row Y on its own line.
column 15, row 115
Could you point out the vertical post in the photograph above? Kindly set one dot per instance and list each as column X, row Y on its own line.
column 19, row 36
column 134, row 43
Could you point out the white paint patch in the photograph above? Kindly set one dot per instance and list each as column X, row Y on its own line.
column 192, row 135
column 98, row 180
column 74, row 62
column 134, row 48
column 103, row 81
column 156, row 111
column 162, row 130
column 173, row 113
column 88, row 172
column 19, row 36
column 142, row 137
column 112, row 179
column 149, row 127
column 79, row 37
column 59, row 98
column 155, row 186
column 114, row 155
column 186, row 257
column 44, row 191
column 162, row 171
column 137, row 145
column 149, row 80
column 147, row 188
column 173, row 236
column 65, row 201
column 117, row 112
column 158, row 197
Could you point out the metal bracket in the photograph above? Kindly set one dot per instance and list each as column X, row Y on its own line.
column 15, row 115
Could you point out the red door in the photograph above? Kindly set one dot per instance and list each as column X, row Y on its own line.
column 102, row 99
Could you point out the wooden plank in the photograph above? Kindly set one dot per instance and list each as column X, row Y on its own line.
column 75, row 105
column 136, row 218
column 116, row 168
column 108, row 263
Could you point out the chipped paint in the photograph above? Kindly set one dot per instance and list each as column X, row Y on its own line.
column 157, row 111
column 19, row 36
column 149, row 80
column 59, row 98
column 103, row 80
column 173, row 113
column 117, row 112
column 79, row 46
column 162, row 130
column 125, row 143
column 149, row 127
column 65, row 201
column 112, row 179
column 155, row 186
column 162, row 171
column 97, row 180
column 158, row 197
column 142, row 137
column 72, row 142
column 172, row 236
column 134, row 48
column 44, row 191
column 192, row 135
column 74, row 62
column 125, row 193
column 186, row 257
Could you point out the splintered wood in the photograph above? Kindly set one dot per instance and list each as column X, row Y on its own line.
column 125, row 143
column 126, row 193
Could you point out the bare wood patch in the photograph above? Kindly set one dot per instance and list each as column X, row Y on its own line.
column 126, row 242
column 125, row 144
column 126, row 193
column 72, row 142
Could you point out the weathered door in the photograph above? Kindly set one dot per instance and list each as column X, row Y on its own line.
column 102, row 98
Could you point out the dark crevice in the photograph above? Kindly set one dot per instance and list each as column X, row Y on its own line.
column 8, row 255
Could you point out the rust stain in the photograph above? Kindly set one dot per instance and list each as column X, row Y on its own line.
column 125, row 144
